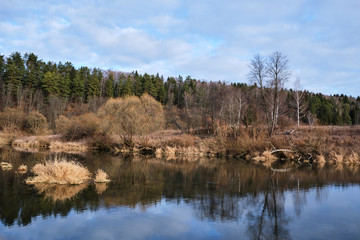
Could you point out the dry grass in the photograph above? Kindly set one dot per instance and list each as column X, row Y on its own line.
column 337, row 157
column 5, row 166
column 320, row 159
column 170, row 153
column 158, row 152
column 31, row 143
column 268, row 156
column 353, row 158
column 22, row 168
column 59, row 172
column 101, row 177
column 5, row 139
column 59, row 192
column 48, row 142
column 58, row 146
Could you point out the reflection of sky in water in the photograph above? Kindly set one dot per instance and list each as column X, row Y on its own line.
column 163, row 221
column 336, row 216
column 333, row 216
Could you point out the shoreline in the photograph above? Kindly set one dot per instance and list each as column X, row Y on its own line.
column 305, row 145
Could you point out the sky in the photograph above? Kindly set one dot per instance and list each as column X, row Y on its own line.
column 206, row 39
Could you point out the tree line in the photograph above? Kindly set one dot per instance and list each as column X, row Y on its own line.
column 54, row 89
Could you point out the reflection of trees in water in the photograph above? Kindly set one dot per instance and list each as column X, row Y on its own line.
column 218, row 190
column 267, row 217
column 215, row 207
column 299, row 198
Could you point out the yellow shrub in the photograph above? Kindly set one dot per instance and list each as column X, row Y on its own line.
column 132, row 115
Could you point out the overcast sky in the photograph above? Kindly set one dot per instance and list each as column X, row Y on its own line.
column 206, row 39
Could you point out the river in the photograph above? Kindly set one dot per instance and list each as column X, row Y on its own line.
column 202, row 199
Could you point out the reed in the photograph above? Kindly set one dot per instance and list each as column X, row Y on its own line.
column 59, row 171
column 101, row 177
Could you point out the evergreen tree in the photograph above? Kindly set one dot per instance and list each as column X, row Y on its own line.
column 109, row 86
column 128, row 86
column 77, row 86
column 92, row 81
column 159, row 87
column 148, row 86
column 138, row 88
column 14, row 74
column 65, row 79
column 50, row 83
column 346, row 118
column 32, row 71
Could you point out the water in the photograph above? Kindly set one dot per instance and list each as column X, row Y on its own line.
column 158, row 199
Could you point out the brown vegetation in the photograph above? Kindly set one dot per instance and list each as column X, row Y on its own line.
column 132, row 115
column 134, row 124
column 22, row 168
column 35, row 123
column 59, row 172
column 101, row 177
column 86, row 125
column 11, row 119
column 5, row 166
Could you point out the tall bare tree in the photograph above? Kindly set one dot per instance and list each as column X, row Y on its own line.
column 278, row 74
column 270, row 75
column 298, row 101
column 257, row 75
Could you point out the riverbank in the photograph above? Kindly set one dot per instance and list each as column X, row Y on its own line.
column 332, row 144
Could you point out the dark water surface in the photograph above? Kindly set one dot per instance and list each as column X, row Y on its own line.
column 205, row 199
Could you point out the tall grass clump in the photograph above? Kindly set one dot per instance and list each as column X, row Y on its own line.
column 101, row 177
column 59, row 171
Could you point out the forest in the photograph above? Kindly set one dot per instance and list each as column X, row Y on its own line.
column 53, row 89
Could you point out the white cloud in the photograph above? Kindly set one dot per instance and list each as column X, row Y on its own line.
column 211, row 40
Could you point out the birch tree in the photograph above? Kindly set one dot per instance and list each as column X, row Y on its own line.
column 270, row 75
column 298, row 101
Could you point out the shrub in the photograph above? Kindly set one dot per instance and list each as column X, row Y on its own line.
column 59, row 172
column 35, row 123
column 86, row 125
column 103, row 143
column 11, row 119
column 153, row 118
column 61, row 123
column 132, row 115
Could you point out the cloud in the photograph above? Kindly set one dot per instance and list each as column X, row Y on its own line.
column 211, row 40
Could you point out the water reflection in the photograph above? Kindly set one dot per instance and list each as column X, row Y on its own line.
column 218, row 191
column 59, row 192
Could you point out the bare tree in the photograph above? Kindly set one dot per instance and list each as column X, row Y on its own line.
column 298, row 101
column 257, row 76
column 278, row 74
column 270, row 74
